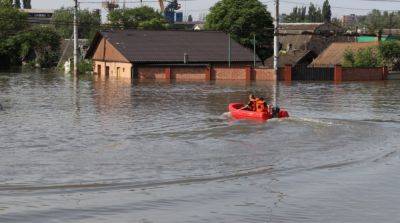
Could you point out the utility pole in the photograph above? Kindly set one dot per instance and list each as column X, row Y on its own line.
column 229, row 50
column 76, row 38
column 276, row 52
column 276, row 38
column 254, row 50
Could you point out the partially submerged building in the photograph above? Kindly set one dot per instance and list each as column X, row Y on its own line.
column 158, row 54
column 300, row 43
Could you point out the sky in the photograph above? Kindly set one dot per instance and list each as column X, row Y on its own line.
column 197, row 8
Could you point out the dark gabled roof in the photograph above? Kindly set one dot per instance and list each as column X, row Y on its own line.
column 293, row 58
column 149, row 46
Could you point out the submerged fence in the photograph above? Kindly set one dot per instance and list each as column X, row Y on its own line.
column 304, row 73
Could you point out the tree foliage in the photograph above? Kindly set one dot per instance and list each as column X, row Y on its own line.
column 299, row 14
column 367, row 57
column 20, row 43
column 17, row 4
column 137, row 18
column 386, row 54
column 326, row 11
column 390, row 53
column 6, row 3
column 376, row 21
column 243, row 19
column 27, row 4
column 89, row 22
column 15, row 21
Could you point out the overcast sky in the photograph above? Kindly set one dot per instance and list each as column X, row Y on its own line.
column 198, row 7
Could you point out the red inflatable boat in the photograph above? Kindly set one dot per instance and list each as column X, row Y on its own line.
column 237, row 112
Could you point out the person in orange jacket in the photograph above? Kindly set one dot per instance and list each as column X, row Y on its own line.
column 251, row 106
column 261, row 105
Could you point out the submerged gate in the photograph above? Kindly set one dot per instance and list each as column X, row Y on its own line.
column 304, row 73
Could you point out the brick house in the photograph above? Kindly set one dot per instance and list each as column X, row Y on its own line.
column 150, row 54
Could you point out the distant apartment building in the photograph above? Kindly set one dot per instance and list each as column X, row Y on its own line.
column 39, row 16
column 349, row 20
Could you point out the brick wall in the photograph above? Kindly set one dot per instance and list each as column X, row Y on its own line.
column 153, row 73
column 363, row 74
column 264, row 74
column 226, row 73
column 193, row 72
column 188, row 73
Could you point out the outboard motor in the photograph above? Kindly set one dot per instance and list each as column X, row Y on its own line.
column 1, row 107
column 275, row 112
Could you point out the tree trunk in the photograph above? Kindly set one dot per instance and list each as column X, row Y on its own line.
column 27, row 4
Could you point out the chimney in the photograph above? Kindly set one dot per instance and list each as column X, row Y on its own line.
column 185, row 58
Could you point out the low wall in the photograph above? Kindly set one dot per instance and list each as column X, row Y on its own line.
column 226, row 73
column 206, row 73
column 363, row 74
column 264, row 74
column 152, row 73
column 191, row 72
column 339, row 74
column 188, row 73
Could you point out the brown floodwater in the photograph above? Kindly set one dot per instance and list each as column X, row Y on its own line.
column 92, row 150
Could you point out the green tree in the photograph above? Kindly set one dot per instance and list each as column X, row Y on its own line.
column 17, row 4
column 390, row 52
column 348, row 58
column 41, row 41
column 27, row 4
column 15, row 21
column 368, row 57
column 19, row 42
column 320, row 17
column 243, row 19
column 312, row 13
column 299, row 14
column 137, row 18
column 6, row 3
column 326, row 11
column 89, row 22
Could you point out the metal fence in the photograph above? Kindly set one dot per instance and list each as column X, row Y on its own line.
column 304, row 73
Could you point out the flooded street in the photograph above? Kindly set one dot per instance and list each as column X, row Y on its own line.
column 115, row 151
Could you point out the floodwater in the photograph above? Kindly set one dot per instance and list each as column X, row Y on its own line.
column 115, row 151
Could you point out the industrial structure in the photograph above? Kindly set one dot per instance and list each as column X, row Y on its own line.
column 169, row 11
column 110, row 5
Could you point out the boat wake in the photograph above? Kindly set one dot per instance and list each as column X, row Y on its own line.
column 101, row 186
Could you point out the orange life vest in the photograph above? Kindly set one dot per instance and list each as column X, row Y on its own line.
column 260, row 106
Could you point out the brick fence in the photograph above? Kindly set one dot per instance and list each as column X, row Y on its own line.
column 244, row 73
column 248, row 73
column 362, row 74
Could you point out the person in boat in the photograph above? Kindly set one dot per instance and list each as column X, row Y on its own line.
column 261, row 105
column 251, row 106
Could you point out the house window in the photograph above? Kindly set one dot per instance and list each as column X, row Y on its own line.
column 118, row 71
column 107, row 71
column 123, row 69
column 99, row 70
